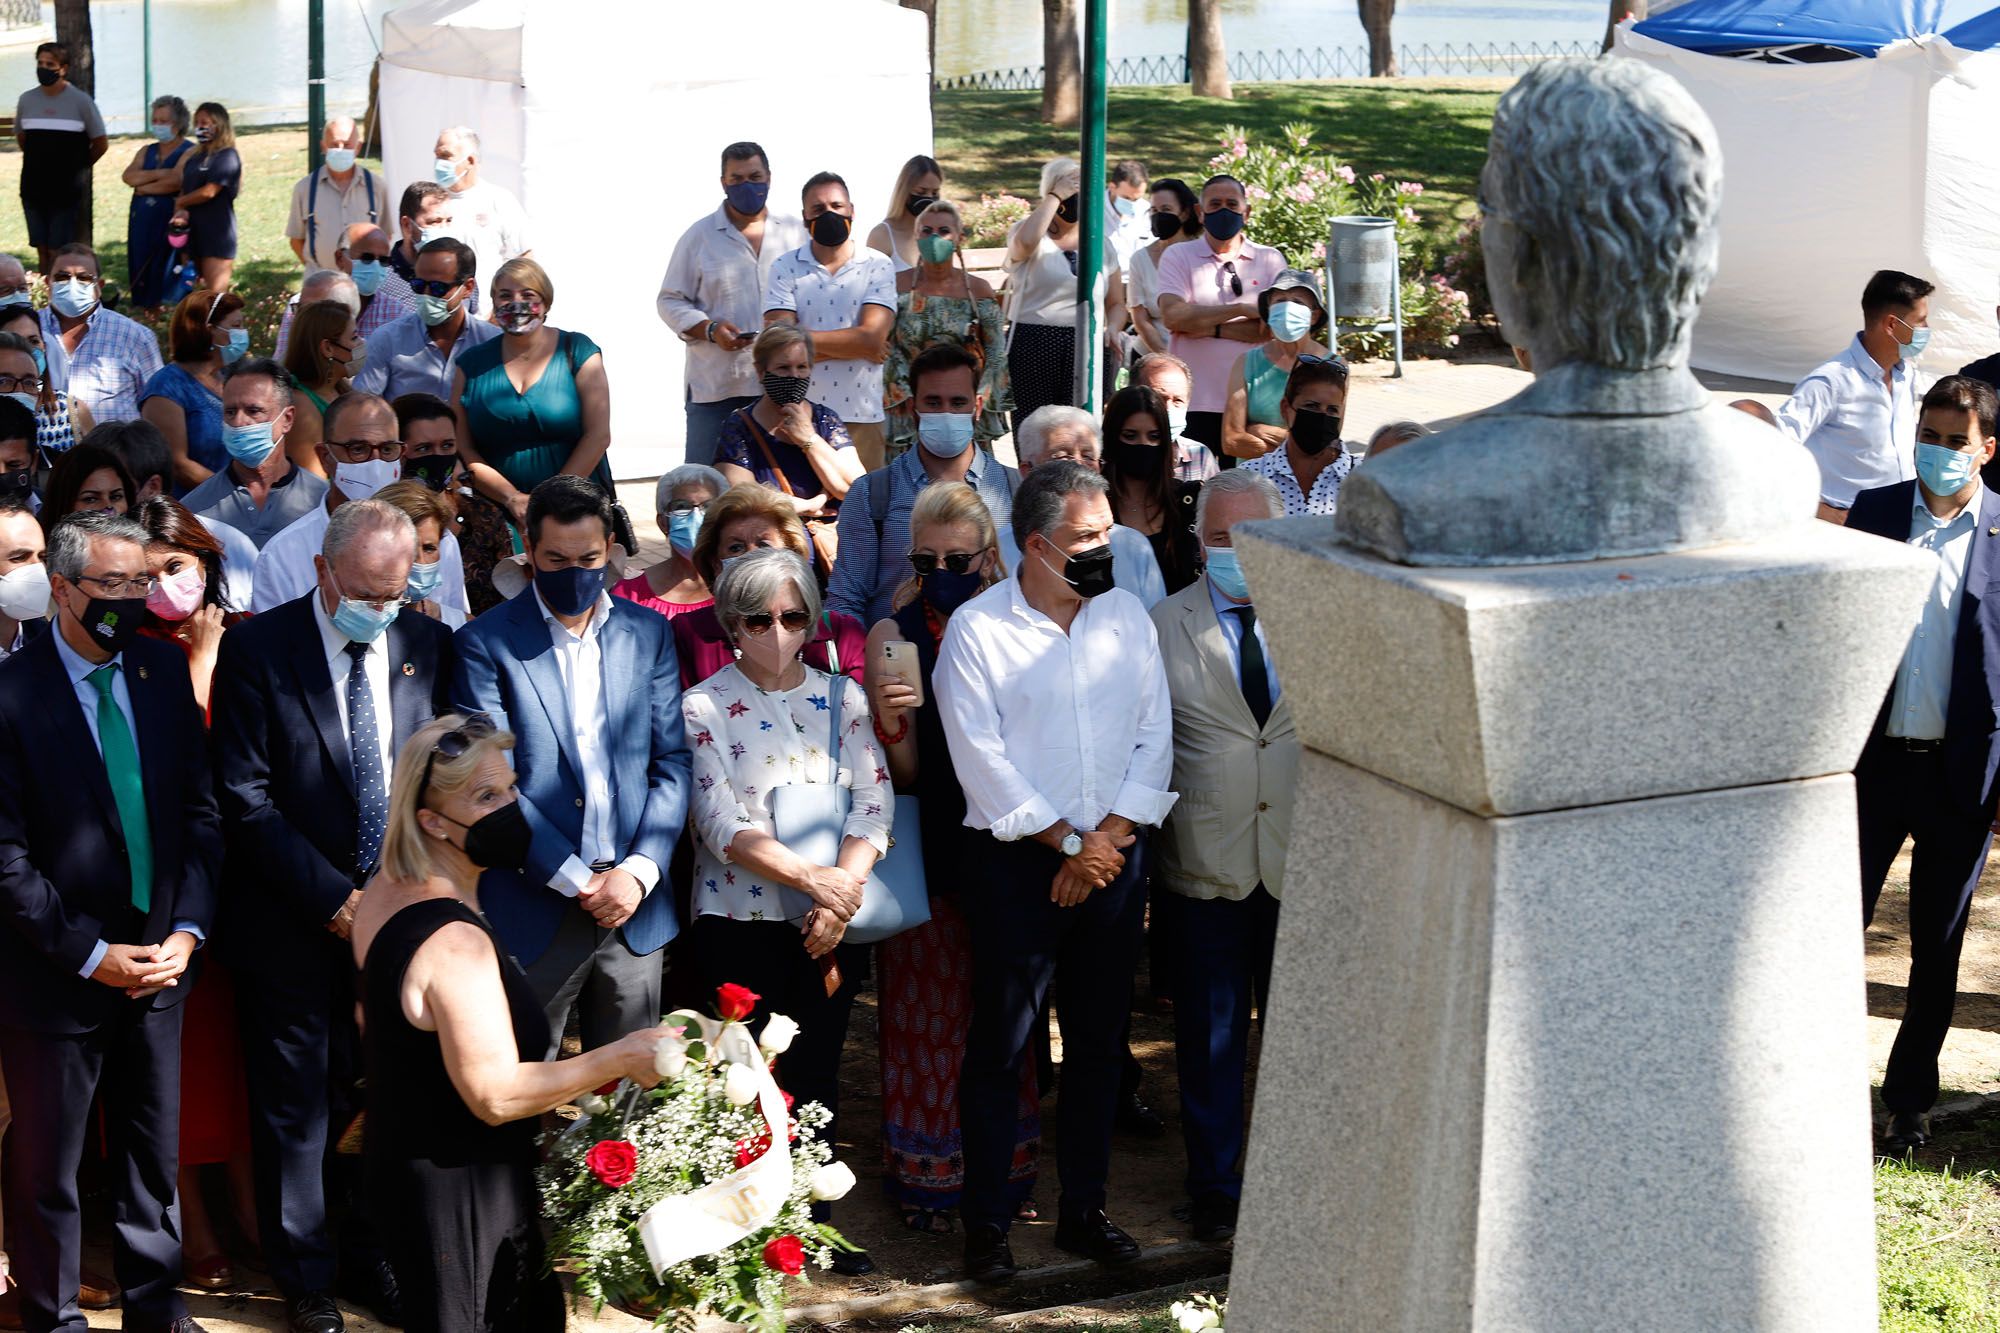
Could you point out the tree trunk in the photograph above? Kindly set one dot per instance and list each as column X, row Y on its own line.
column 1619, row 10
column 928, row 8
column 1375, row 20
column 1208, row 62
column 73, row 31
column 1062, row 64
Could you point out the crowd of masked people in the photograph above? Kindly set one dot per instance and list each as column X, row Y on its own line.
column 350, row 759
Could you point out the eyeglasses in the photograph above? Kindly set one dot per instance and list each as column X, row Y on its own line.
column 684, row 507
column 20, row 383
column 360, row 451
column 1235, row 282
column 425, row 287
column 117, row 585
column 759, row 622
column 958, row 562
column 455, row 743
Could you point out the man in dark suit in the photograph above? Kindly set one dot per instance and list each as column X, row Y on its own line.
column 1928, row 769
column 312, row 701
column 109, row 847
column 590, row 687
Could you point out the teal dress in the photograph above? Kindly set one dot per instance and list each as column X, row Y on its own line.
column 527, row 437
column 1264, row 388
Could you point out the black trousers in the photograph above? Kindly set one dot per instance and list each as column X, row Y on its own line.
column 1021, row 942
column 134, row 1062
column 1898, row 794
column 1221, row 971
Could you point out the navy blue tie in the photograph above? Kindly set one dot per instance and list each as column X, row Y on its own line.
column 1256, row 680
column 364, row 743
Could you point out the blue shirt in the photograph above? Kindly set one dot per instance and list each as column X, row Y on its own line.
column 866, row 576
column 1232, row 634
column 201, row 413
column 403, row 358
column 223, row 499
column 1923, row 681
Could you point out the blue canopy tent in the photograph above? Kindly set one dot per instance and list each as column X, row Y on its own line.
column 1981, row 33
column 1795, row 29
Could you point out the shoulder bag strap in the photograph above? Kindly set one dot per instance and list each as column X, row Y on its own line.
column 832, row 643
column 764, row 446
column 833, row 692
column 878, row 501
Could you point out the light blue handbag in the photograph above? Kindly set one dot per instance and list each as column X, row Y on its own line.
column 810, row 818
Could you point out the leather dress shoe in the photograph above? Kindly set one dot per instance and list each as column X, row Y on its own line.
column 372, row 1283
column 1214, row 1218
column 186, row 1324
column 94, row 1291
column 315, row 1312
column 1095, row 1236
column 852, row 1263
column 988, row 1257
column 1907, row 1132
column 1138, row 1119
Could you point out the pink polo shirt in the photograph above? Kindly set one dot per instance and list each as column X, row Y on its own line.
column 1195, row 273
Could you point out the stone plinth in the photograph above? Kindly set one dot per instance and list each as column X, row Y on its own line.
column 1567, row 1020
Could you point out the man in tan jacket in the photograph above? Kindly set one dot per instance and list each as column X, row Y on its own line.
column 1222, row 856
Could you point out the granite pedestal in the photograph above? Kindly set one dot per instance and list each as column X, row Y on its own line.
column 1566, row 1026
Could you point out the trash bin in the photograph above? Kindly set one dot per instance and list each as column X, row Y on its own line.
column 1361, row 264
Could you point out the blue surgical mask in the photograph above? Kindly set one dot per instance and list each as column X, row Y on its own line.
column 945, row 434
column 425, row 235
column 682, row 529
column 1225, row 573
column 571, row 591
column 435, row 310
column 73, row 297
column 1176, row 420
column 1290, row 321
column 445, row 172
column 41, row 362
column 1920, row 338
column 368, row 275
column 238, row 344
column 1945, row 470
column 1126, row 207
column 249, row 445
column 424, row 580
column 161, row 132
column 360, row 622
column 20, row 297
column 747, row 197
column 340, row 159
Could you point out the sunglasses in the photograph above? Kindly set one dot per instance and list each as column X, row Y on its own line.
column 1235, row 282
column 425, row 287
column 363, row 257
column 958, row 562
column 453, row 744
column 759, row 622
column 1339, row 363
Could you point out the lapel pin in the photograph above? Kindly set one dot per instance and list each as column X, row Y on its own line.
column 410, row 669
column 142, row 673
column 1993, row 532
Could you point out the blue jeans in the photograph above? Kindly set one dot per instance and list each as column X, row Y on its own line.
column 704, row 425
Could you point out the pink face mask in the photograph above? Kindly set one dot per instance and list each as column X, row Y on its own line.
column 175, row 596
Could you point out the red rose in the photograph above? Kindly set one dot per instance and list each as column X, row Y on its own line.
column 606, row 1089
column 614, row 1162
column 736, row 1002
column 749, row 1150
column 787, row 1254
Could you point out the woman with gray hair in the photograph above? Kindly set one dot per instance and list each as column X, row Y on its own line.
column 155, row 178
column 765, row 916
column 673, row 586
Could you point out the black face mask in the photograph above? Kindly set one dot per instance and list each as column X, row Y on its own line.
column 1166, row 225
column 1066, row 210
column 110, row 622
column 787, row 389
column 433, row 470
column 498, row 839
column 1314, row 432
column 917, row 203
column 1134, row 460
column 1089, row 572
column 831, row 229
column 47, row 77
column 17, row 485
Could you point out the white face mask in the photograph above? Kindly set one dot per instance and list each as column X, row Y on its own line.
column 358, row 481
column 24, row 592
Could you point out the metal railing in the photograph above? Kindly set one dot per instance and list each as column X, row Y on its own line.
column 1317, row 62
column 20, row 13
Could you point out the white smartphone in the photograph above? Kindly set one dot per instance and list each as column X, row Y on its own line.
column 900, row 662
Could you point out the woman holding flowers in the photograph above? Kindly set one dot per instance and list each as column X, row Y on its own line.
column 447, row 1017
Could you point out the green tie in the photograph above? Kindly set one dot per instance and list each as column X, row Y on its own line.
column 121, row 765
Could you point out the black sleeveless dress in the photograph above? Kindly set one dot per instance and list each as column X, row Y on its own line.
column 454, row 1196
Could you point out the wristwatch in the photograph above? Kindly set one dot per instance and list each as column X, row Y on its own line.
column 1073, row 844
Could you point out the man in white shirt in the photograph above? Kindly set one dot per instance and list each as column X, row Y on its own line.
column 1057, row 434
column 326, row 202
column 713, row 293
column 1128, row 221
column 1858, row 412
column 845, row 296
column 1055, row 707
column 485, row 216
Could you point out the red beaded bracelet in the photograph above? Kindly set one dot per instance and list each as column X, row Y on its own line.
column 901, row 731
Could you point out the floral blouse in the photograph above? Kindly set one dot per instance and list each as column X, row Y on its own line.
column 922, row 322
column 746, row 742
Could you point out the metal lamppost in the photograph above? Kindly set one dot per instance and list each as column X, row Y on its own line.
column 1090, row 237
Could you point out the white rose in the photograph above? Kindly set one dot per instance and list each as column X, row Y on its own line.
column 670, row 1057
column 1192, row 1318
column 739, row 1085
column 592, row 1104
column 778, row 1034
column 831, row 1181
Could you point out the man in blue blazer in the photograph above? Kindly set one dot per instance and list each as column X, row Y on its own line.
column 312, row 701
column 109, row 847
column 589, row 685
column 1928, row 769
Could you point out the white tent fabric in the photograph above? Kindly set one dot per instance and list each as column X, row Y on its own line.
column 1832, row 171
column 607, row 118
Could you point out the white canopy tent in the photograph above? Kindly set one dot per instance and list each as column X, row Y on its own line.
column 1835, row 170
column 608, row 120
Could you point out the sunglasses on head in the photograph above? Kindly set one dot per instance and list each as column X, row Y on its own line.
column 958, row 562
column 1339, row 363
column 759, row 622
column 453, row 744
